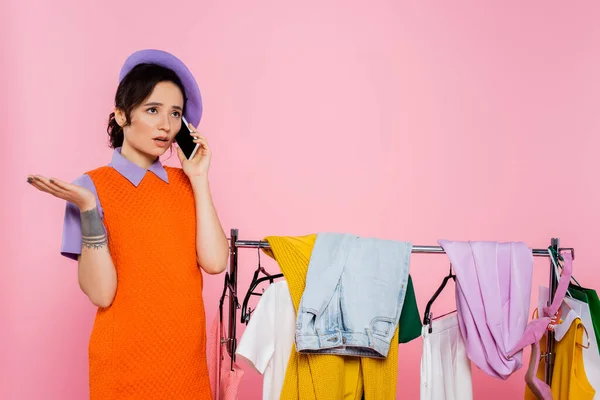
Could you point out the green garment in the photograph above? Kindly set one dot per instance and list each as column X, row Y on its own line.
column 410, row 320
column 590, row 297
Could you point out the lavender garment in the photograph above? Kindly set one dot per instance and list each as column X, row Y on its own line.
column 71, row 237
column 493, row 291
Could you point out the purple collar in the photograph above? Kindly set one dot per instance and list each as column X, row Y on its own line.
column 134, row 173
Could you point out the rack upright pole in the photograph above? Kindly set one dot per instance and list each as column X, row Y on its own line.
column 552, row 285
column 233, row 275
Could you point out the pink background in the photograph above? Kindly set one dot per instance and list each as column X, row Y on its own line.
column 404, row 120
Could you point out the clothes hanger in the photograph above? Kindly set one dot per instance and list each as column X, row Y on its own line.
column 247, row 311
column 427, row 317
column 226, row 284
column 224, row 339
column 536, row 315
column 568, row 294
column 561, row 327
column 556, row 258
column 588, row 339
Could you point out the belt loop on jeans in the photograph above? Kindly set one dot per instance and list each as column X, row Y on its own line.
column 368, row 331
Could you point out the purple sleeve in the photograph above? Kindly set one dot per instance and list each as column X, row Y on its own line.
column 71, row 236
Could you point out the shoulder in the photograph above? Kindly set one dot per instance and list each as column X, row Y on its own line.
column 275, row 293
column 174, row 170
column 281, row 292
column 86, row 181
column 177, row 175
column 98, row 171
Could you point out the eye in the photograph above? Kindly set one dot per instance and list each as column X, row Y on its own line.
column 176, row 114
column 152, row 110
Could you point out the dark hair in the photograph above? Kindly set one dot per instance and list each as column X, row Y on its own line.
column 137, row 85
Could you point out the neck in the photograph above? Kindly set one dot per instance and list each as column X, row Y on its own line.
column 137, row 157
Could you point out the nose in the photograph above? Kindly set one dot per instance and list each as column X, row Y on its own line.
column 164, row 123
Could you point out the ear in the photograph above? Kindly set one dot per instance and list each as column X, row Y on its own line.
column 120, row 117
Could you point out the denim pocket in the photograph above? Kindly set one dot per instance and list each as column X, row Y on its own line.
column 306, row 321
column 381, row 326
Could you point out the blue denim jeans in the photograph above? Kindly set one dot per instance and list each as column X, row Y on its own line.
column 355, row 288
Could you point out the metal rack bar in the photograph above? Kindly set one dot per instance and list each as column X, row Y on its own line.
column 249, row 244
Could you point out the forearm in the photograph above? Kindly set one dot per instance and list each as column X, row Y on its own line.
column 96, row 271
column 212, row 247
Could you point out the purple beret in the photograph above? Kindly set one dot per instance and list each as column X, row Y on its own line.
column 193, row 109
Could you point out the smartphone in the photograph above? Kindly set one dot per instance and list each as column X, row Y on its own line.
column 185, row 140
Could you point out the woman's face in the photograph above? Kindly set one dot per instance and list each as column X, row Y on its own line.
column 155, row 122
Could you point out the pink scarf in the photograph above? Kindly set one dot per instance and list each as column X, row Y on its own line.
column 224, row 381
column 537, row 328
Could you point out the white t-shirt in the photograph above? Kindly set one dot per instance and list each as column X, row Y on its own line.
column 267, row 341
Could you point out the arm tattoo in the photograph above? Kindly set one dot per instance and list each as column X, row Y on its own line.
column 93, row 234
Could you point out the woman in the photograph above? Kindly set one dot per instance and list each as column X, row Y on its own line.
column 141, row 232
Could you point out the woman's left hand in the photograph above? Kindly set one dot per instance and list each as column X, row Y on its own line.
column 198, row 165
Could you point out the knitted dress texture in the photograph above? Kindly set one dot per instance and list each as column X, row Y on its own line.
column 150, row 343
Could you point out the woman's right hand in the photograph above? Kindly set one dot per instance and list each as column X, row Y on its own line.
column 78, row 195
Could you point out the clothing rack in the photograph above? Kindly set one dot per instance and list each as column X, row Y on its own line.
column 231, row 285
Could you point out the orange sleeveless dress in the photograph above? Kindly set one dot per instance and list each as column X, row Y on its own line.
column 151, row 342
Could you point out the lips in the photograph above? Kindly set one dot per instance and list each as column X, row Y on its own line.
column 161, row 141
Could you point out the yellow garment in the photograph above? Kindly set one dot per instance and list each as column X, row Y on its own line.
column 325, row 376
column 569, row 381
column 353, row 383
